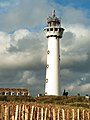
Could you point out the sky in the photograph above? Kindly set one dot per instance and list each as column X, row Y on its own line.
column 23, row 45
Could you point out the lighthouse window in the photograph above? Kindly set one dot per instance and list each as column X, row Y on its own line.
column 47, row 29
column 46, row 80
column 56, row 29
column 48, row 51
column 51, row 29
column 47, row 66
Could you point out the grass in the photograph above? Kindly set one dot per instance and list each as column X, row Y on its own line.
column 75, row 101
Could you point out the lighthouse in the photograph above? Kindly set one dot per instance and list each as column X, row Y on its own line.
column 53, row 33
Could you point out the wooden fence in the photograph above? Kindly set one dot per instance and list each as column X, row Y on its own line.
column 31, row 112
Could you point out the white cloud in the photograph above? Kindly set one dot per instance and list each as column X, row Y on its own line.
column 28, row 14
column 80, row 38
column 18, row 61
column 20, row 34
column 71, row 59
column 28, row 78
column 72, row 15
column 75, row 47
column 85, row 88
column 21, row 50
column 74, row 88
column 4, row 42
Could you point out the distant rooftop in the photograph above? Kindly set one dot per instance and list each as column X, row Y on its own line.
column 14, row 89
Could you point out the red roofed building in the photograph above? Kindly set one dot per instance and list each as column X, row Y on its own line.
column 14, row 91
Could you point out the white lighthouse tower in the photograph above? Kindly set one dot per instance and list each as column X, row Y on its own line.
column 53, row 33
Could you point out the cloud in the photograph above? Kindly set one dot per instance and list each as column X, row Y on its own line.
column 21, row 50
column 75, row 48
column 27, row 14
column 4, row 41
column 19, row 61
column 85, row 87
column 28, row 78
column 82, row 89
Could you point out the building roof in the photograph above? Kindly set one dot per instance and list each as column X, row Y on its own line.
column 14, row 90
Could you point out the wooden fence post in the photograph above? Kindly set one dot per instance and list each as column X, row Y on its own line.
column 68, row 116
column 6, row 113
column 73, row 114
column 54, row 114
column 88, row 115
column 26, row 112
column 34, row 113
column 45, row 117
column 23, row 112
column 37, row 113
column 41, row 113
column 78, row 112
column 19, row 112
column 16, row 113
column 3, row 112
column 63, row 114
column 12, row 117
column 58, row 117
column 83, row 113
column 12, row 114
column 0, row 112
column 49, row 113
column 32, row 109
